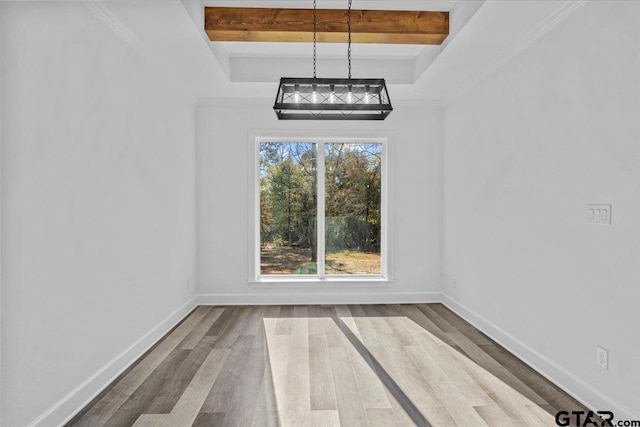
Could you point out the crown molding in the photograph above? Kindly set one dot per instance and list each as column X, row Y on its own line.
column 137, row 31
column 117, row 26
column 122, row 31
column 554, row 18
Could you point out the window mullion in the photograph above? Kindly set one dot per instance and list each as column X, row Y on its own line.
column 320, row 209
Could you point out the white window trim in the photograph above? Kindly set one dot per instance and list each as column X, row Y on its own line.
column 253, row 204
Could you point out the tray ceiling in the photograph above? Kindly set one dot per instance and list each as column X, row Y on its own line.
column 268, row 61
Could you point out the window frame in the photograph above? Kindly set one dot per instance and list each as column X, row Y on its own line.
column 255, row 278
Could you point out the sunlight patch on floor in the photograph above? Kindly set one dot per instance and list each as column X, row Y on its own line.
column 446, row 386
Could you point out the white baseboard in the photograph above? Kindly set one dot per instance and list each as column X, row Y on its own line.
column 560, row 376
column 315, row 298
column 65, row 409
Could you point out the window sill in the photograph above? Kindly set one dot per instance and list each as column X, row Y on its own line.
column 324, row 282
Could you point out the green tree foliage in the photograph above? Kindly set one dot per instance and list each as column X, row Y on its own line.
column 288, row 196
column 352, row 192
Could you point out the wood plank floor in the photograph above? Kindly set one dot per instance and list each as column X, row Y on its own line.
column 343, row 365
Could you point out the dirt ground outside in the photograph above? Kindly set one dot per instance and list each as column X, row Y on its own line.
column 295, row 260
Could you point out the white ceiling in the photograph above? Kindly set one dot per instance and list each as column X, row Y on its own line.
column 436, row 5
column 484, row 36
column 267, row 62
column 324, row 50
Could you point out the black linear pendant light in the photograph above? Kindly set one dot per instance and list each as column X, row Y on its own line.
column 304, row 98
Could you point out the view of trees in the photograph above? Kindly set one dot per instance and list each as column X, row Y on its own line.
column 288, row 208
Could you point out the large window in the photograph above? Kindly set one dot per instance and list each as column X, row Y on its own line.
column 321, row 208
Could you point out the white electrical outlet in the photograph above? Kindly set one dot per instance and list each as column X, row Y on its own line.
column 602, row 357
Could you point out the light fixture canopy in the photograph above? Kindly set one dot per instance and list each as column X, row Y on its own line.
column 312, row 98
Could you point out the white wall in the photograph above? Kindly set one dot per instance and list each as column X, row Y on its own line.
column 98, row 206
column 1, row 137
column 223, row 162
column 525, row 151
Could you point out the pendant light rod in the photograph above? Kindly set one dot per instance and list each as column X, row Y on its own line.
column 315, row 26
column 349, row 32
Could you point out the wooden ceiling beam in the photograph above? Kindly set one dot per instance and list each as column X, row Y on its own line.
column 296, row 25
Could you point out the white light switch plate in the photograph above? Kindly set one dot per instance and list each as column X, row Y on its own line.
column 599, row 214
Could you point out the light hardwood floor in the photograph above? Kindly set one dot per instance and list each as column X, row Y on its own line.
column 349, row 365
